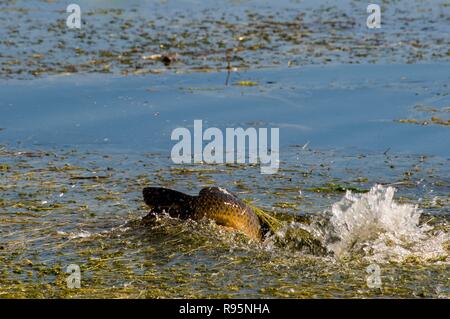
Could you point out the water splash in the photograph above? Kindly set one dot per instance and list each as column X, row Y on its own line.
column 296, row 237
column 378, row 228
column 73, row 235
column 372, row 227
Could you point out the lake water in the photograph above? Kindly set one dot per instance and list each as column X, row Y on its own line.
column 87, row 118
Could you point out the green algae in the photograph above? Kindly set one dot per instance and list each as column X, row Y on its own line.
column 136, row 39
column 247, row 83
column 271, row 222
column 96, row 225
column 336, row 188
column 434, row 120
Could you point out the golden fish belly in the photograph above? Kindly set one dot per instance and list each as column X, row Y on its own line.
column 227, row 210
column 214, row 203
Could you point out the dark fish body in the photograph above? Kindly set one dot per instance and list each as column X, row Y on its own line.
column 212, row 202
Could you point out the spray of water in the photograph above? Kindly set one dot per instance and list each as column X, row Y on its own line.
column 375, row 226
column 370, row 226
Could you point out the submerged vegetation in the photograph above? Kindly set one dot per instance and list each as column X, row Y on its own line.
column 437, row 117
column 272, row 223
column 138, row 38
column 84, row 208
column 433, row 120
column 328, row 222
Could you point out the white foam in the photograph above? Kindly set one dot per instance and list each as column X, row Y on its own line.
column 73, row 235
column 382, row 230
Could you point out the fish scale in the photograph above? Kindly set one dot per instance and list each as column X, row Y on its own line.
column 213, row 203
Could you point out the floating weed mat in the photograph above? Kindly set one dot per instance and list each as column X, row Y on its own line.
column 335, row 188
column 433, row 120
column 272, row 223
column 74, row 207
column 288, row 235
column 428, row 115
column 210, row 38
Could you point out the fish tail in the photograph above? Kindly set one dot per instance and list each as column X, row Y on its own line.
column 174, row 203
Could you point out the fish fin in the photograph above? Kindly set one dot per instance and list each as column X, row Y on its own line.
column 160, row 199
column 216, row 190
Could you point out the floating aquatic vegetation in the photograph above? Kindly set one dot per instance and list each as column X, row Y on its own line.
column 247, row 83
column 272, row 223
column 433, row 120
column 96, row 224
column 332, row 188
column 135, row 38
